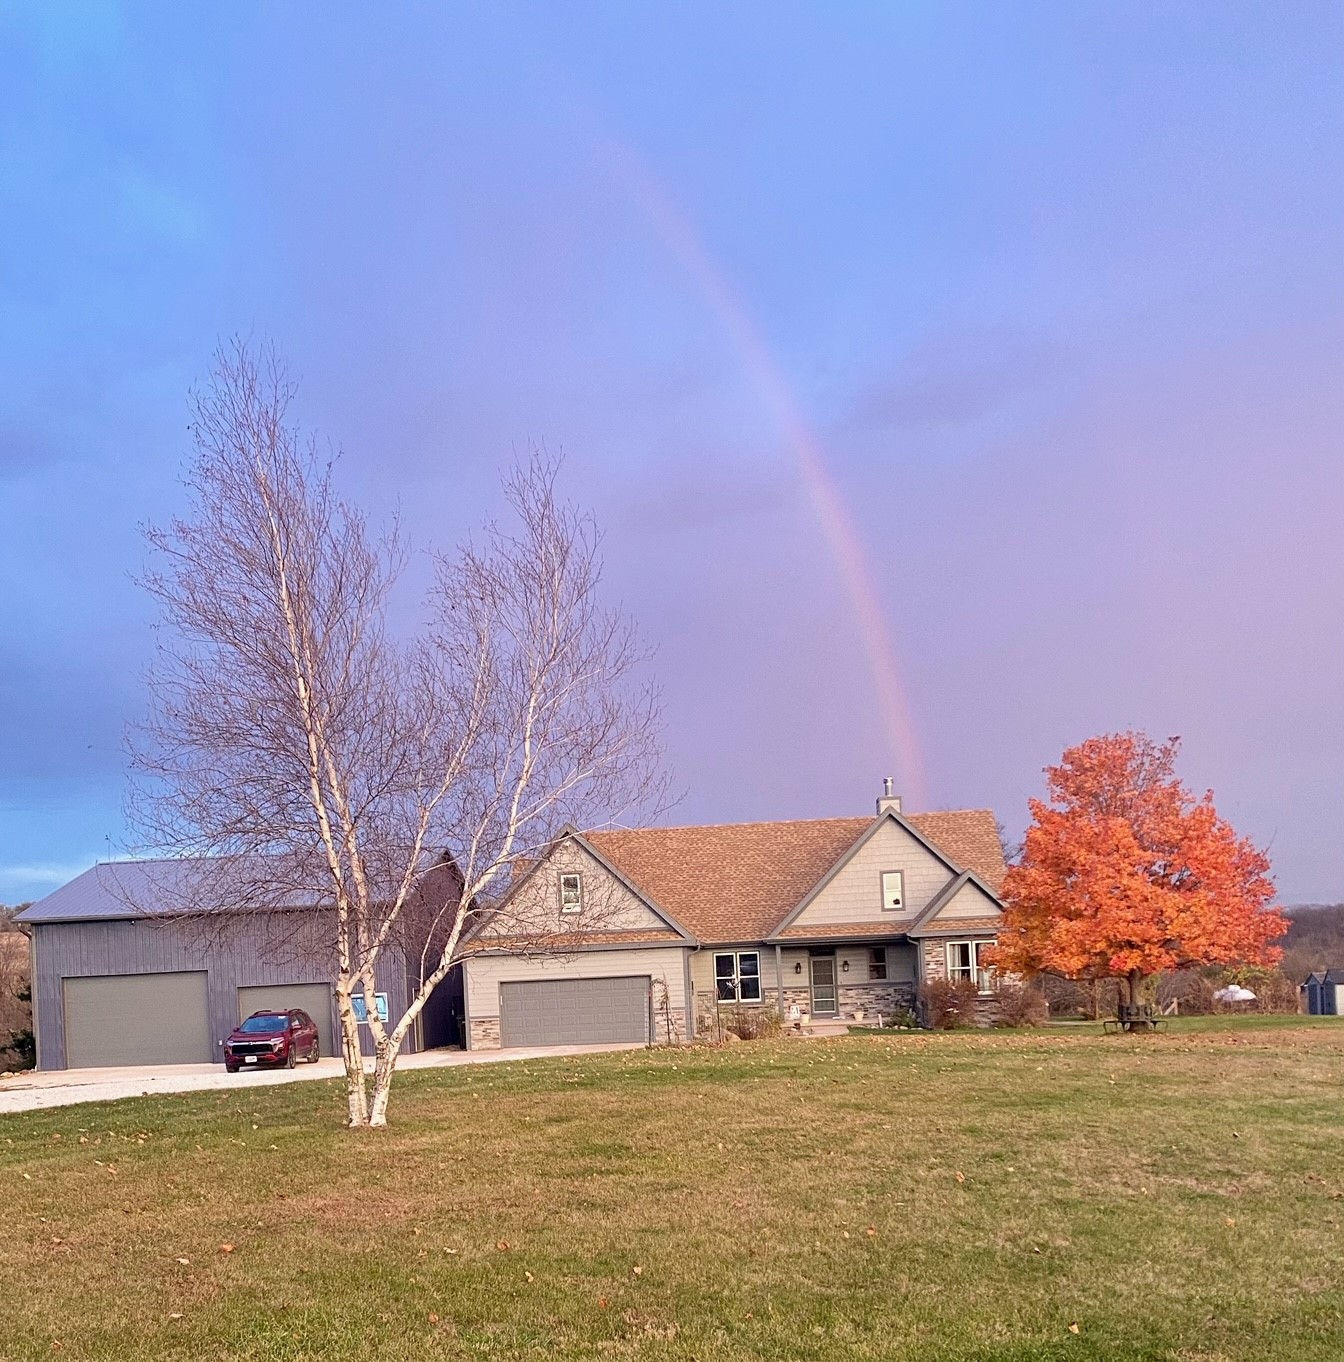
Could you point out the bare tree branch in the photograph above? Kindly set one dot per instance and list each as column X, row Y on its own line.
column 307, row 759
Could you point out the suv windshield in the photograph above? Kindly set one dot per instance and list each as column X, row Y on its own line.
column 263, row 1025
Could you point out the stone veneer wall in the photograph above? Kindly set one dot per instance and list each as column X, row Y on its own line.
column 879, row 997
column 677, row 1016
column 485, row 1030
column 933, row 962
column 884, row 996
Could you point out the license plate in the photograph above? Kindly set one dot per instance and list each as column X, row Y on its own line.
column 249, row 1059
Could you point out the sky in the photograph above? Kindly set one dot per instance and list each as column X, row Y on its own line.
column 952, row 382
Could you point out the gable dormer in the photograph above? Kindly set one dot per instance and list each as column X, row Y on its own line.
column 889, row 876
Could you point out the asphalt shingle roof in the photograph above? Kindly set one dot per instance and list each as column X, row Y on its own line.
column 737, row 881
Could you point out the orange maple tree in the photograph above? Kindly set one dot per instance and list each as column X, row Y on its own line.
column 1124, row 873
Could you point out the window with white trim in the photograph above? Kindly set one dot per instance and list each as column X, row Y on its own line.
column 877, row 962
column 893, row 891
column 963, row 962
column 571, row 893
column 737, row 976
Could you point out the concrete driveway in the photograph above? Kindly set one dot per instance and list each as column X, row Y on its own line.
column 64, row 1087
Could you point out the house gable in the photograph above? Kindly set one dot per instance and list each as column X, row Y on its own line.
column 965, row 905
column 852, row 890
column 611, row 908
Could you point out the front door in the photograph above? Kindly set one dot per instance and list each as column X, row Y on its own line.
column 823, row 986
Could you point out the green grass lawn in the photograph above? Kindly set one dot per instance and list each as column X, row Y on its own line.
column 1047, row 1195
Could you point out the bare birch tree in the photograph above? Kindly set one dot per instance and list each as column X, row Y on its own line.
column 387, row 786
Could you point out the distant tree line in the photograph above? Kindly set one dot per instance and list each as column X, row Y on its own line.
column 18, row 1049
column 1315, row 939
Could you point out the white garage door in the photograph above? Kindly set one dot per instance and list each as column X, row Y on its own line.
column 574, row 1011
column 314, row 999
column 115, row 1019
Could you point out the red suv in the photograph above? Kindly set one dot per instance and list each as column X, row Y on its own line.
column 268, row 1039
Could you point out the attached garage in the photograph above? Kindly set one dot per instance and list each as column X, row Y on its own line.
column 137, row 1019
column 575, row 1011
column 314, row 999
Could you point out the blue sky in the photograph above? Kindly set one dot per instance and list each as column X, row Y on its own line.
column 1058, row 288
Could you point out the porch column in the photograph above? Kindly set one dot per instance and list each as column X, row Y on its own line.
column 779, row 978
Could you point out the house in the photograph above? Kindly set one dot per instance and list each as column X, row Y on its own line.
column 644, row 934
column 130, row 967
column 622, row 936
column 1323, row 993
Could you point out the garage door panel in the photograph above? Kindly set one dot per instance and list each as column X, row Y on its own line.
column 314, row 999
column 574, row 1011
column 120, row 1019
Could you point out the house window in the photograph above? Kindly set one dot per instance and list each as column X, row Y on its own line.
column 877, row 962
column 571, row 893
column 963, row 962
column 737, row 977
column 893, row 891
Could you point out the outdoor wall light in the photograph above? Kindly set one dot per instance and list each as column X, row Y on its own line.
column 797, row 966
column 844, row 966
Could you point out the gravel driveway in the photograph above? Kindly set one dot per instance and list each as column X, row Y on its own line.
column 64, row 1087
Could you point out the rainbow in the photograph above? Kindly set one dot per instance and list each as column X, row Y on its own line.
column 823, row 493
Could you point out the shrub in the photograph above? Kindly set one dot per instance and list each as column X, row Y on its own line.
column 750, row 1023
column 1086, row 998
column 948, row 1004
column 1193, row 990
column 1020, row 1005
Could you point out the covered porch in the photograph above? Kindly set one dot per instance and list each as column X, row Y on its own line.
column 814, row 980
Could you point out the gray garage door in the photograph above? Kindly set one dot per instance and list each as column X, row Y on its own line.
column 136, row 1019
column 574, row 1011
column 315, row 999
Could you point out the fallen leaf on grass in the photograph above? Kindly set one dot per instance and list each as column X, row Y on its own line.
column 433, row 1318
column 637, row 1270
column 1073, row 1329
column 226, row 1248
column 184, row 1261
column 503, row 1245
column 175, row 1314
column 961, row 1177
column 871, row 1231
column 529, row 1277
column 602, row 1302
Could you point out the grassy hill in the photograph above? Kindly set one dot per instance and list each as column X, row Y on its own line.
column 1047, row 1195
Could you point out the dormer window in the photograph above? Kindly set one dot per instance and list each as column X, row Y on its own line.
column 893, row 891
column 571, row 893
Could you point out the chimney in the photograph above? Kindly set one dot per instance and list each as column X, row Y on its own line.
column 888, row 801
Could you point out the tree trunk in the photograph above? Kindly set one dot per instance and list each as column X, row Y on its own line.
column 1135, row 987
column 356, row 1094
column 1134, row 982
column 383, row 1069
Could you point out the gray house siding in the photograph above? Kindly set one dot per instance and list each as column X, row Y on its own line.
column 241, row 957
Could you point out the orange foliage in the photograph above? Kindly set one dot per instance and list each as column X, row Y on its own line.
column 1125, row 873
